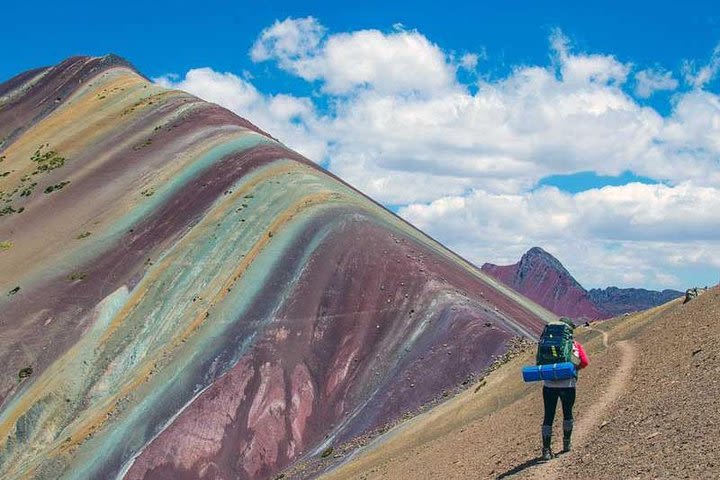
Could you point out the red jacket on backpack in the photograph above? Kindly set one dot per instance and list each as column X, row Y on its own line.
column 577, row 348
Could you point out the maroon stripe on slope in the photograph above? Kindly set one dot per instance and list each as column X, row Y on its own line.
column 41, row 322
column 338, row 338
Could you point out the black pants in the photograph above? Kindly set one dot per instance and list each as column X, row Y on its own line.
column 550, row 398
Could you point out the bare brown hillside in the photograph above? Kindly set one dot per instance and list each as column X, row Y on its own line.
column 648, row 407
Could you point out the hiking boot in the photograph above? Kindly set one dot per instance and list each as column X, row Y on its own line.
column 567, row 433
column 547, row 443
column 546, row 454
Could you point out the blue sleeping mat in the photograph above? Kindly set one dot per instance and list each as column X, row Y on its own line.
column 553, row 371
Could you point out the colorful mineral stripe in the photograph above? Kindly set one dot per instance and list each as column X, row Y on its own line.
column 185, row 297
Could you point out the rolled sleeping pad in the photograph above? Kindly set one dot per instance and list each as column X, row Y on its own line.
column 551, row 371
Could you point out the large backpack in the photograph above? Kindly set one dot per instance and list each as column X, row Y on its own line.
column 555, row 344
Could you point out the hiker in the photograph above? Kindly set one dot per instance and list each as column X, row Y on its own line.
column 565, row 391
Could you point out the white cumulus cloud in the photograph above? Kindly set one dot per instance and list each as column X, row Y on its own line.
column 658, row 227
column 288, row 42
column 395, row 62
column 653, row 80
column 698, row 77
column 285, row 117
column 463, row 162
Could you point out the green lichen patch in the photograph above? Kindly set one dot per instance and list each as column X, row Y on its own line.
column 47, row 159
column 6, row 245
column 56, row 187
column 77, row 276
column 146, row 143
column 7, row 210
column 28, row 190
column 102, row 95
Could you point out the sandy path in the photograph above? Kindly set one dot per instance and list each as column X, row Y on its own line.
column 604, row 336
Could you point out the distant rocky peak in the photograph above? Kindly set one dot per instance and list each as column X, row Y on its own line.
column 541, row 277
column 536, row 258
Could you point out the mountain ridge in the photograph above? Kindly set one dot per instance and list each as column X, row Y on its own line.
column 543, row 278
column 192, row 297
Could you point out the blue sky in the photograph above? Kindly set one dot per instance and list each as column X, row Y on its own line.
column 173, row 36
column 587, row 129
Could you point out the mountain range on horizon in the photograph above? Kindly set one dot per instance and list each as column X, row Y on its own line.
column 541, row 277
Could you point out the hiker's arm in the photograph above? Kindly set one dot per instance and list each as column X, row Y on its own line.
column 584, row 362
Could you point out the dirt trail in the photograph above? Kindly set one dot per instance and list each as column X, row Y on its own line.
column 456, row 418
column 604, row 336
column 592, row 416
column 648, row 406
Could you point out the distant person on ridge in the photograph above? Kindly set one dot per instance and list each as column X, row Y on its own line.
column 565, row 391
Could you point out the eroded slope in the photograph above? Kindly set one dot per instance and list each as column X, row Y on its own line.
column 196, row 300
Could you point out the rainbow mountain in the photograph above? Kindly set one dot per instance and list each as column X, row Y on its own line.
column 183, row 296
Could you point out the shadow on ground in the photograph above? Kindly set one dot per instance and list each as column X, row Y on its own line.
column 519, row 468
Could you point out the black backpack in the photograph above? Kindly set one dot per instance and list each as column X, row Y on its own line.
column 555, row 344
